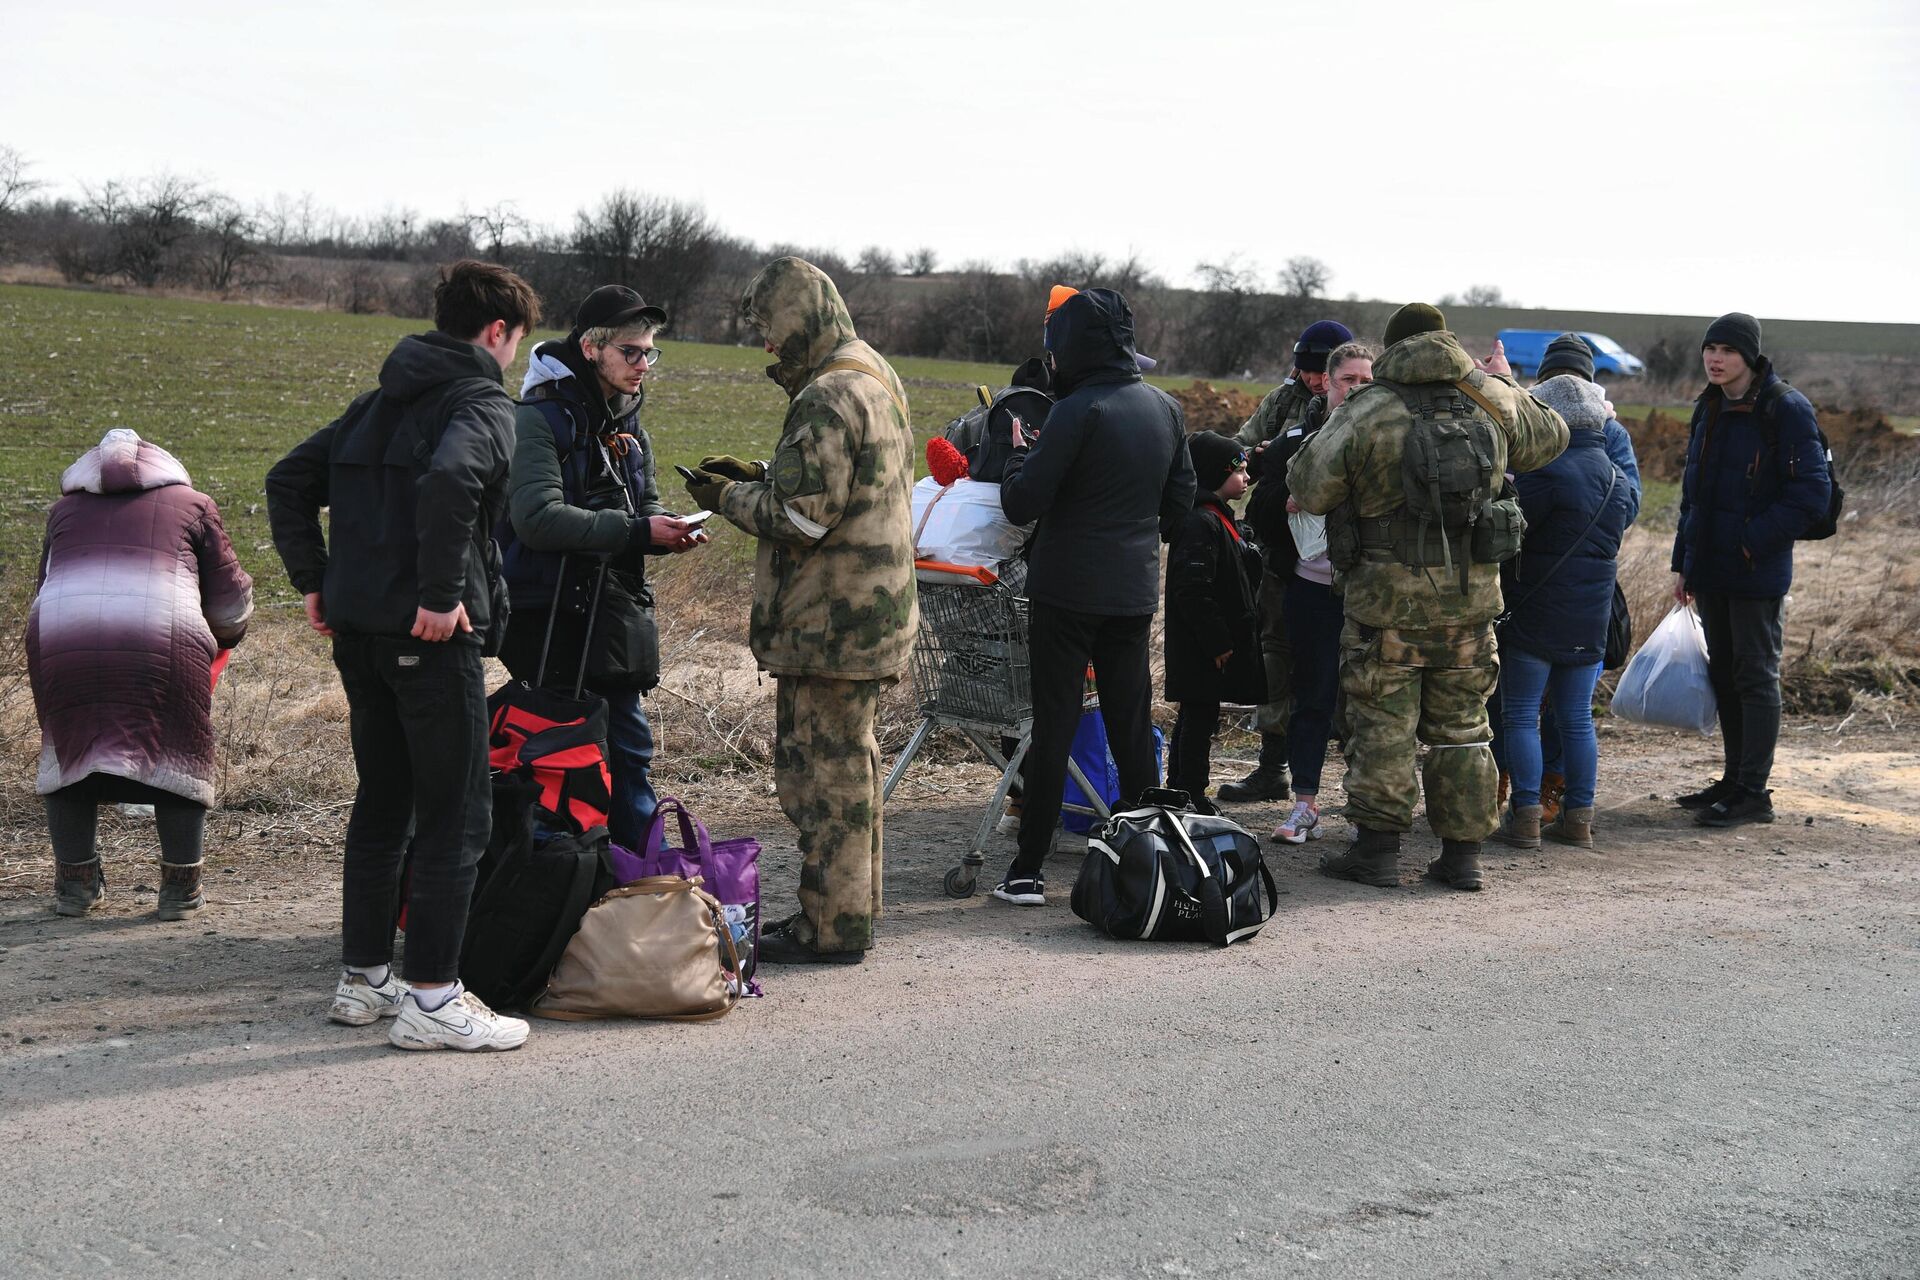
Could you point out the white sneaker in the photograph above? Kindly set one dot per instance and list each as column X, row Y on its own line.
column 1302, row 825
column 357, row 1002
column 463, row 1022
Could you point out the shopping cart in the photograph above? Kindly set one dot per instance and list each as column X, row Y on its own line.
column 972, row 673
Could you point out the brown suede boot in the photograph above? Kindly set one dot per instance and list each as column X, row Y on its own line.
column 1458, row 866
column 1552, row 787
column 1521, row 827
column 77, row 886
column 1373, row 858
column 1573, row 826
column 180, row 890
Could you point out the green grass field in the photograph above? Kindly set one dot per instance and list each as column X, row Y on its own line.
column 230, row 387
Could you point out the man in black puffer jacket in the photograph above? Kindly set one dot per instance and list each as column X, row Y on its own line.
column 1107, row 474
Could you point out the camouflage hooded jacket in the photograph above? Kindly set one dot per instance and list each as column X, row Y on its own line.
column 833, row 588
column 1356, row 458
column 1287, row 405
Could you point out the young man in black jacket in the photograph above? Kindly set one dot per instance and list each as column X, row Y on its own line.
column 1108, row 473
column 406, row 581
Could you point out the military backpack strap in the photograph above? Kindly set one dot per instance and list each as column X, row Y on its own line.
column 1469, row 387
column 861, row 366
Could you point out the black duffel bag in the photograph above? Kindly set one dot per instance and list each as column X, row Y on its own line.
column 1166, row 874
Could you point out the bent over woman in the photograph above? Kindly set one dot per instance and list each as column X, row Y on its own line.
column 139, row 591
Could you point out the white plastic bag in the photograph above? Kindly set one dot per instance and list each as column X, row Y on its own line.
column 1666, row 682
column 1309, row 534
column 963, row 524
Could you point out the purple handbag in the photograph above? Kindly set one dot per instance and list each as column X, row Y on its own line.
column 729, row 870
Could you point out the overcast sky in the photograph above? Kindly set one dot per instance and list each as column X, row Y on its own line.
column 1630, row 155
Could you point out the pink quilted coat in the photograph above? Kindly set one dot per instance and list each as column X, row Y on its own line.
column 139, row 589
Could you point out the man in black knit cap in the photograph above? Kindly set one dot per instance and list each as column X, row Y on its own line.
column 1756, row 479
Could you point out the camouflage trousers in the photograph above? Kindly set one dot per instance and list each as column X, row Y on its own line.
column 1276, row 655
column 1410, row 687
column 826, row 768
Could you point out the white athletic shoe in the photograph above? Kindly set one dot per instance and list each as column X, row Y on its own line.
column 357, row 1002
column 463, row 1022
column 1302, row 825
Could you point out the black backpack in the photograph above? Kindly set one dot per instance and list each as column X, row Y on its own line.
column 528, row 898
column 1828, row 525
column 1163, row 873
column 984, row 433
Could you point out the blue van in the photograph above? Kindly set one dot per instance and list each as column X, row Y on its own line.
column 1527, row 347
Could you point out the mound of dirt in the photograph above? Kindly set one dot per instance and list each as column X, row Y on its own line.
column 1860, row 438
column 1208, row 408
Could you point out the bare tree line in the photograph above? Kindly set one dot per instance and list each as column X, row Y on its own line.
column 165, row 230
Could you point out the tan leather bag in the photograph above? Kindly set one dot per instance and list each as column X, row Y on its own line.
column 649, row 949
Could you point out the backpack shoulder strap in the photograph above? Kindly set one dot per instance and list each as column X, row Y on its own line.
column 861, row 366
column 1470, row 385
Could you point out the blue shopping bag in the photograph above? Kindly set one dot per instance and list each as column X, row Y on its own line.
column 1091, row 753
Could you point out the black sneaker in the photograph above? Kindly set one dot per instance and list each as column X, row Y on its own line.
column 1708, row 796
column 778, row 945
column 1022, row 891
column 1742, row 807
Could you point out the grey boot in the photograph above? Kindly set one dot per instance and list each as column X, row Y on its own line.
column 180, row 889
column 1521, row 827
column 77, row 886
column 1573, row 826
column 1268, row 781
column 1458, row 866
column 1373, row 858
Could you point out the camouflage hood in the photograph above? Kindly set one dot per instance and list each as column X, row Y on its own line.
column 1435, row 356
column 801, row 314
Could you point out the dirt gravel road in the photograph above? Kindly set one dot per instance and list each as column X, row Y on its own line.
column 1681, row 1054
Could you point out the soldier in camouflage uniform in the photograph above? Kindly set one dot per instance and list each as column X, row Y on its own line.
column 1299, row 401
column 833, row 596
column 1417, row 656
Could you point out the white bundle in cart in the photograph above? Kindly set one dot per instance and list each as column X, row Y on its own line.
column 962, row 523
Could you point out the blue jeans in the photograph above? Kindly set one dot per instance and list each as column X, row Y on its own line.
column 629, row 757
column 1524, row 680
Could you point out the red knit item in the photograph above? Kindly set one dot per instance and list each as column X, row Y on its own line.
column 945, row 462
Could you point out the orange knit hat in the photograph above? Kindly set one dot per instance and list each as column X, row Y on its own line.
column 1057, row 295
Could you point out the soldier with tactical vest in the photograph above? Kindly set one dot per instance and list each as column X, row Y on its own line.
column 833, row 594
column 1411, row 475
column 1299, row 404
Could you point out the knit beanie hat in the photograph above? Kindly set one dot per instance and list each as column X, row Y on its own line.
column 1316, row 342
column 1415, row 317
column 1567, row 353
column 1581, row 402
column 1740, row 331
column 1214, row 456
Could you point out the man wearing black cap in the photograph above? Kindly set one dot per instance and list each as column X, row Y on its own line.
column 1287, row 410
column 1756, row 479
column 584, row 513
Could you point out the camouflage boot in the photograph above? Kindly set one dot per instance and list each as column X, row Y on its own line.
column 1373, row 858
column 1458, row 866
column 77, row 886
column 1520, row 827
column 1574, row 827
column 180, row 889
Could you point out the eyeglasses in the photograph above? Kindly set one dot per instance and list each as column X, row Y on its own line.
column 634, row 355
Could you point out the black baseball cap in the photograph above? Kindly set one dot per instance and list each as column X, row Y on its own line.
column 614, row 306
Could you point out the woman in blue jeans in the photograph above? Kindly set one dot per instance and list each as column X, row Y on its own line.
column 1559, row 595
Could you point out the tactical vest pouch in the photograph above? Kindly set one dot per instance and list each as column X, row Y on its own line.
column 1497, row 534
column 1343, row 538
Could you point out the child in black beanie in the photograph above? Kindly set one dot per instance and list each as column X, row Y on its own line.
column 1213, row 630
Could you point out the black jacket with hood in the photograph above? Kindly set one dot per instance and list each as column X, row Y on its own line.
column 1109, row 471
column 415, row 474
